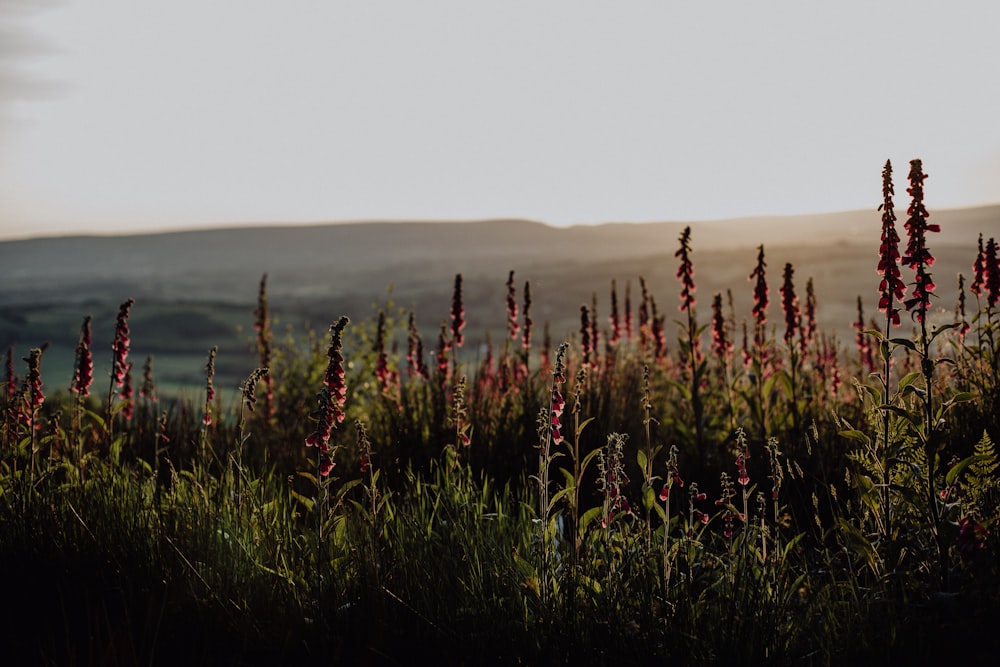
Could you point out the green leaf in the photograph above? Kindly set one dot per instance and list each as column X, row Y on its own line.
column 905, row 342
column 640, row 457
column 909, row 379
column 588, row 517
column 306, row 502
column 854, row 434
column 952, row 475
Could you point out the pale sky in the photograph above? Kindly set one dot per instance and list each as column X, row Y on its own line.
column 135, row 115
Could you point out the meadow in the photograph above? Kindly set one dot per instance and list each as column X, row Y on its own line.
column 724, row 475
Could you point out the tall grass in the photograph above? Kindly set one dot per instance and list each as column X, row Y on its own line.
column 616, row 501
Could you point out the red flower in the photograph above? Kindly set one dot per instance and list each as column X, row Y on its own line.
column 121, row 342
column 325, row 465
column 84, row 373
column 685, row 273
column 790, row 305
column 512, row 326
column 918, row 257
column 457, row 313
column 992, row 273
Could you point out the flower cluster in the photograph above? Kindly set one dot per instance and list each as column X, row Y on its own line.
column 917, row 256
column 121, row 343
column 262, row 325
column 331, row 398
column 249, row 388
column 84, row 373
column 611, row 477
column 128, row 394
column 742, row 454
column 557, row 403
column 685, row 273
column 513, row 328
column 992, row 269
column 31, row 390
column 674, row 478
column 528, row 322
column 725, row 501
column 457, row 313
column 721, row 345
column 614, row 319
column 760, row 301
column 790, row 305
column 695, row 515
column 148, row 388
column 209, row 386
column 415, row 363
column 891, row 289
column 586, row 344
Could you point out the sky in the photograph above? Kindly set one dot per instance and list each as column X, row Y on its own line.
column 132, row 115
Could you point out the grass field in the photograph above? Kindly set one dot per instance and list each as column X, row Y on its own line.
column 666, row 475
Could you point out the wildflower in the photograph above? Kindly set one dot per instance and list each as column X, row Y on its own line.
column 628, row 310
column 585, row 340
column 725, row 500
column 325, row 465
column 721, row 345
column 960, row 310
column 364, row 445
column 808, row 329
column 685, row 273
column 979, row 270
column 128, row 394
column 148, row 388
column 526, row 335
column 331, row 398
column 891, row 288
column 992, row 283
column 416, row 365
column 865, row 351
column 917, row 256
column 249, row 388
column 614, row 320
column 557, row 403
column 611, row 477
column 381, row 359
column 513, row 328
column 11, row 377
column 742, row 454
column 760, row 302
column 262, row 325
column 457, row 313
column 443, row 348
column 790, row 305
column 595, row 338
column 120, row 346
column 209, row 386
column 674, row 478
column 32, row 388
column 84, row 373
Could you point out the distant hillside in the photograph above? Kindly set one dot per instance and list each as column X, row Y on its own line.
column 198, row 280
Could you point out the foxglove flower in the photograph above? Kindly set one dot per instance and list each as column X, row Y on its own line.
column 148, row 388
column 262, row 325
column 917, row 256
column 206, row 418
column 685, row 273
column 128, row 394
column 992, row 268
column 614, row 320
column 415, row 363
column 457, row 313
column 790, row 305
column 979, row 270
column 513, row 328
column 891, row 288
column 331, row 398
column 528, row 322
column 121, row 343
column 721, row 345
column 84, row 373
column 557, row 403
